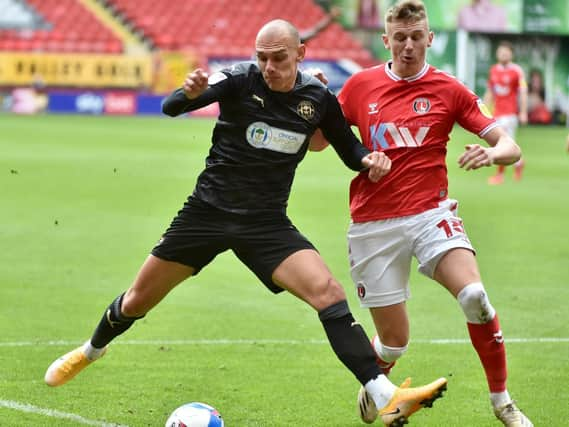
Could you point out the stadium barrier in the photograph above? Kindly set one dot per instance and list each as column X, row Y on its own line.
column 112, row 103
column 76, row 70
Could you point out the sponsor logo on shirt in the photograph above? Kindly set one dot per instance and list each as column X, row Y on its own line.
column 501, row 90
column 399, row 136
column 373, row 108
column 261, row 135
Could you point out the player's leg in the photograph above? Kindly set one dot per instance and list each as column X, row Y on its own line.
column 155, row 279
column 446, row 255
column 392, row 326
column 182, row 252
column 498, row 177
column 305, row 275
column 510, row 125
column 380, row 258
column 458, row 271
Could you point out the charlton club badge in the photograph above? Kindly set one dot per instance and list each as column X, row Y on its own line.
column 361, row 290
column 421, row 106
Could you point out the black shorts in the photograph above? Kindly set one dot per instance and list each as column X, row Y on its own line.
column 200, row 232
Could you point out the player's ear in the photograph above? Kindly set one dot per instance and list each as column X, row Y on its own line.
column 301, row 52
column 431, row 37
column 385, row 41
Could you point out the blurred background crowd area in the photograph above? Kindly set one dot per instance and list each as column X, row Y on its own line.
column 123, row 56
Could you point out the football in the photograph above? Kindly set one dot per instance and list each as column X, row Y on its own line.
column 195, row 414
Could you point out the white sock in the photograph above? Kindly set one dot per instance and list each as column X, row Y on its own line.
column 500, row 399
column 381, row 390
column 91, row 352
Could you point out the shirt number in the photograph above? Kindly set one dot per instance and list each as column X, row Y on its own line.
column 451, row 227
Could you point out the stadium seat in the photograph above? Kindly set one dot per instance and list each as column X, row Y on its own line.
column 227, row 28
column 55, row 26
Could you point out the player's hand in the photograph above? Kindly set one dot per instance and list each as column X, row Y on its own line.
column 378, row 164
column 195, row 83
column 319, row 74
column 476, row 157
column 523, row 118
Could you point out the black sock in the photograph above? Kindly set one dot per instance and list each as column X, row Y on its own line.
column 349, row 341
column 112, row 324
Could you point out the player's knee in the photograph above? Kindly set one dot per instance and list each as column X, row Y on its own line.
column 328, row 292
column 475, row 304
column 388, row 353
column 133, row 305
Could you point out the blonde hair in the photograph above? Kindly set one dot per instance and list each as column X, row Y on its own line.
column 407, row 11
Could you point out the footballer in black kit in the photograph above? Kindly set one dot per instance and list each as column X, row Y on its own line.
column 241, row 196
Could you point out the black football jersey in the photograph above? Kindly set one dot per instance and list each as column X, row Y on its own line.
column 261, row 135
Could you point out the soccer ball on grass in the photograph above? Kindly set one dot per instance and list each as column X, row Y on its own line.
column 195, row 414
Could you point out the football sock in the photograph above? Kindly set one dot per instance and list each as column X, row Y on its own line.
column 501, row 170
column 381, row 390
column 349, row 341
column 489, row 344
column 386, row 355
column 500, row 399
column 91, row 352
column 112, row 324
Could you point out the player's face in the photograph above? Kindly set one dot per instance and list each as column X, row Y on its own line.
column 278, row 59
column 408, row 43
column 504, row 55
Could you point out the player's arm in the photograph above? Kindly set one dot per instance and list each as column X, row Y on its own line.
column 488, row 98
column 502, row 150
column 357, row 157
column 195, row 93
column 318, row 142
column 523, row 96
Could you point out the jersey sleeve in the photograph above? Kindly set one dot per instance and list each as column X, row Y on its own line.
column 344, row 98
column 522, row 82
column 220, row 85
column 337, row 131
column 471, row 112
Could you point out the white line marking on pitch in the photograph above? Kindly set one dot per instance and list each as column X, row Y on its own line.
column 26, row 407
column 435, row 341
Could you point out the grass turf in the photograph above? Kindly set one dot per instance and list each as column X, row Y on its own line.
column 85, row 198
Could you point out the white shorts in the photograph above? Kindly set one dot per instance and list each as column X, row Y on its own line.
column 381, row 251
column 509, row 123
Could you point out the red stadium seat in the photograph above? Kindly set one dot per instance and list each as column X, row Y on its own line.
column 68, row 21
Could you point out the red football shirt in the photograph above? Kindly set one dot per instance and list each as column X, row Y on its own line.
column 410, row 120
column 504, row 81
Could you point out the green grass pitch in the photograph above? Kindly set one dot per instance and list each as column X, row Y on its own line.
column 83, row 199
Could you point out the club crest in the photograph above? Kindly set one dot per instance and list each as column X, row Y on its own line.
column 305, row 109
column 421, row 106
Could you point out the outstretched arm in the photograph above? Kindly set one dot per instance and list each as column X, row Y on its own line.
column 194, row 93
column 502, row 150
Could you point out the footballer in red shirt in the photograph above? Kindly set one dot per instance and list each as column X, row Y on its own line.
column 507, row 91
column 407, row 109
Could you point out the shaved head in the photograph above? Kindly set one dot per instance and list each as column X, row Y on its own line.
column 280, row 29
column 279, row 51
